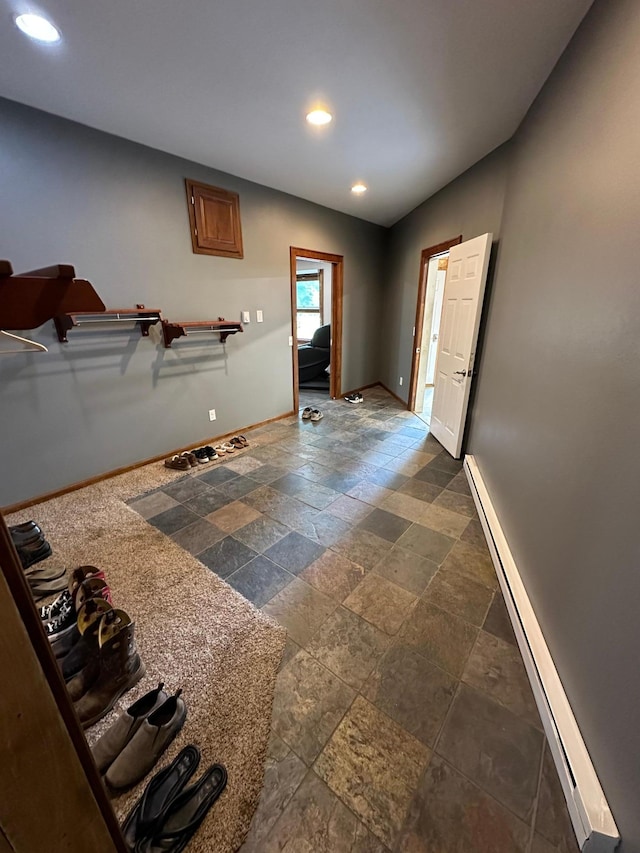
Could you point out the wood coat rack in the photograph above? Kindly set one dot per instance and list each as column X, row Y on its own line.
column 32, row 298
column 186, row 328
column 143, row 317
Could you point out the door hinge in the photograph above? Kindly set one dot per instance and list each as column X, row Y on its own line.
column 193, row 201
column 414, row 332
column 195, row 231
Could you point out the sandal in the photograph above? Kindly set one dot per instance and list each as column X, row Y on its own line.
column 178, row 463
column 228, row 448
column 239, row 442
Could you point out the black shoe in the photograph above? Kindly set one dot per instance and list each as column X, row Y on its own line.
column 62, row 623
column 53, row 610
column 31, row 556
column 201, row 455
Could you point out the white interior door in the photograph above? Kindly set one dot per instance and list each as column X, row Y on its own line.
column 462, row 306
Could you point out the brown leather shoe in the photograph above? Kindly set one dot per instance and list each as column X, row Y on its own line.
column 118, row 667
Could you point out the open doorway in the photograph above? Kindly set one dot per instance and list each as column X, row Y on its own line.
column 433, row 272
column 316, row 324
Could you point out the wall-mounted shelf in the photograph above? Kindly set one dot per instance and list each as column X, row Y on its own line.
column 32, row 298
column 186, row 328
column 143, row 317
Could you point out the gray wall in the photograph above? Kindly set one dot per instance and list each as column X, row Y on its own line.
column 556, row 419
column 470, row 205
column 117, row 211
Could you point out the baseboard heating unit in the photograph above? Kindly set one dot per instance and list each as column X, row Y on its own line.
column 592, row 820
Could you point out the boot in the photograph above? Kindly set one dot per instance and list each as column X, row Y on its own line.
column 81, row 652
column 118, row 668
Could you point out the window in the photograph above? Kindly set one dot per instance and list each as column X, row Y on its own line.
column 309, row 303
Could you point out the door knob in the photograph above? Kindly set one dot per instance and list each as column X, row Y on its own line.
column 461, row 372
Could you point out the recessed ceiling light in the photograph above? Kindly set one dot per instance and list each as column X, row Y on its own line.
column 38, row 28
column 358, row 189
column 319, row 117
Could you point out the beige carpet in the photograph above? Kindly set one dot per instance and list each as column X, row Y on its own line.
column 193, row 632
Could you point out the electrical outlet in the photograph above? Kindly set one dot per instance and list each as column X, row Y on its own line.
column 259, row 317
column 212, row 414
column 401, row 380
column 246, row 316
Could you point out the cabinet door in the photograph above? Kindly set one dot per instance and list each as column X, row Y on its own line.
column 214, row 215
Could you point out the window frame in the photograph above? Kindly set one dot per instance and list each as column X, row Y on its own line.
column 318, row 275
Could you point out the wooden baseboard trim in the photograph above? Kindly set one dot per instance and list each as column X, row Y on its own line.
column 91, row 481
column 389, row 391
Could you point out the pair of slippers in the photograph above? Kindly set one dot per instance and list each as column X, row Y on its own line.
column 169, row 813
column 309, row 414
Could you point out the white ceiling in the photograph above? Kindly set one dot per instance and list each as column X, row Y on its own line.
column 420, row 89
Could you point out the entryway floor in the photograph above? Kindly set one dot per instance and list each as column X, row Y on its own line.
column 403, row 719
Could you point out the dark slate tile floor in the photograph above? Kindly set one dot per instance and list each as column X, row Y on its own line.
column 403, row 719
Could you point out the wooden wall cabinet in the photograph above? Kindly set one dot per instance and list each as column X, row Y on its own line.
column 214, row 215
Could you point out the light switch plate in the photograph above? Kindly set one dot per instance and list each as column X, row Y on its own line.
column 246, row 316
column 259, row 317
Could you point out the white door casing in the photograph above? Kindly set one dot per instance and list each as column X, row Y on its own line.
column 462, row 307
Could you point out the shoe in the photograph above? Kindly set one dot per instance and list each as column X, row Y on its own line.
column 79, row 654
column 25, row 532
column 52, row 611
column 316, row 415
column 210, row 452
column 48, row 574
column 153, row 736
column 306, row 413
column 64, row 622
column 163, row 788
column 181, row 819
column 24, row 527
column 42, row 588
column 355, row 398
column 115, row 670
column 191, row 458
column 32, row 537
column 228, row 447
column 178, row 463
column 30, row 555
column 107, row 749
column 201, row 455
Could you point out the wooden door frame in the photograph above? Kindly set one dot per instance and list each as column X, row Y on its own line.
column 337, row 286
column 425, row 257
column 18, row 587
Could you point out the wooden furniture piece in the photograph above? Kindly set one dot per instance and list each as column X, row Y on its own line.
column 51, row 793
column 32, row 298
column 186, row 328
column 143, row 317
column 214, row 215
